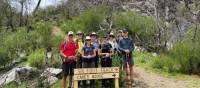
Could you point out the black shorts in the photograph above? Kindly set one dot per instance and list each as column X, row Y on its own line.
column 68, row 68
column 128, row 60
column 106, row 62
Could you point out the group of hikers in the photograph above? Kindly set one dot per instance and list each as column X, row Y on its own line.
column 90, row 52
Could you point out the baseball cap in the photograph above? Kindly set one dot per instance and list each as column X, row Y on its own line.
column 87, row 38
column 104, row 36
column 111, row 33
column 125, row 30
column 70, row 33
column 79, row 32
column 120, row 31
column 93, row 33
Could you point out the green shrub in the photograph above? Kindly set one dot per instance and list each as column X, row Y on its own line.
column 87, row 21
column 44, row 29
column 142, row 57
column 186, row 52
column 187, row 55
column 56, row 40
column 158, row 63
column 166, row 63
column 36, row 59
column 115, row 60
column 4, row 57
column 144, row 27
column 56, row 61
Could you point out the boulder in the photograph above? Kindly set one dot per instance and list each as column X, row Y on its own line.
column 52, row 72
column 14, row 75
column 51, row 80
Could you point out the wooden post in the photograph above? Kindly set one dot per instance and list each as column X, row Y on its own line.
column 116, row 82
column 75, row 83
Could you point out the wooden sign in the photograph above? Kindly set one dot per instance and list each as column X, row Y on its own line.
column 96, row 70
column 96, row 73
column 96, row 76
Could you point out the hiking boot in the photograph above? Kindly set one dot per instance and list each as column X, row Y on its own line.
column 128, row 83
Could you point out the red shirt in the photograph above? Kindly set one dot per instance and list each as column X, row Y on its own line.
column 69, row 49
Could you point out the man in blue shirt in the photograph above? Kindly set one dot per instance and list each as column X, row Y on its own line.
column 126, row 46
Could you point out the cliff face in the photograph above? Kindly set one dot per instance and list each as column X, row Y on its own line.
column 178, row 15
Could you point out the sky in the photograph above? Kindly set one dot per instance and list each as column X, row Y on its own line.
column 33, row 3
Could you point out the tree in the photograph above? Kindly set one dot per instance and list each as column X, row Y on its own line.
column 36, row 8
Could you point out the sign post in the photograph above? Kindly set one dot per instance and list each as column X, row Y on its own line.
column 96, row 73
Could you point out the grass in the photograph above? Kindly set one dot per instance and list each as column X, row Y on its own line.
column 145, row 61
column 57, row 84
column 15, row 85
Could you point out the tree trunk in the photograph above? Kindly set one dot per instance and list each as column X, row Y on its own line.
column 21, row 15
column 36, row 8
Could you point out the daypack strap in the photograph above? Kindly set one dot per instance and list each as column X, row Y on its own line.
column 67, row 42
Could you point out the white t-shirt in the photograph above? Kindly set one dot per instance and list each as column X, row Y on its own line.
column 113, row 43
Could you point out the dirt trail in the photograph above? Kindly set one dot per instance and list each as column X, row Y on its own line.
column 57, row 31
column 151, row 80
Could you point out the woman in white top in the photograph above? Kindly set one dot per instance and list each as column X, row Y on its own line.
column 112, row 41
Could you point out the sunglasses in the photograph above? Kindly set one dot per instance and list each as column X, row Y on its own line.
column 88, row 39
column 71, row 35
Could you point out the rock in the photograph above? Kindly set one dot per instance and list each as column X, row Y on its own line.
column 139, row 49
column 154, row 54
column 51, row 80
column 14, row 75
column 10, row 77
column 52, row 72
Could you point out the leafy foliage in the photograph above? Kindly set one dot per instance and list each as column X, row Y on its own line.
column 142, row 27
column 87, row 21
column 36, row 59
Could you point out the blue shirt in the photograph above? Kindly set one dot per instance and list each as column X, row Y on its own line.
column 95, row 44
column 126, row 43
column 88, row 50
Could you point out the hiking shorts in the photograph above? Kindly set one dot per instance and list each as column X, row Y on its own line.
column 88, row 63
column 106, row 62
column 68, row 68
column 127, row 60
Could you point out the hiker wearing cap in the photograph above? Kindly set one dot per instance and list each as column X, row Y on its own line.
column 80, row 41
column 88, row 54
column 68, row 52
column 126, row 46
column 95, row 43
column 118, row 38
column 112, row 41
column 106, row 52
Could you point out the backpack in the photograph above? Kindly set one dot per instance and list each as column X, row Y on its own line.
column 65, row 43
